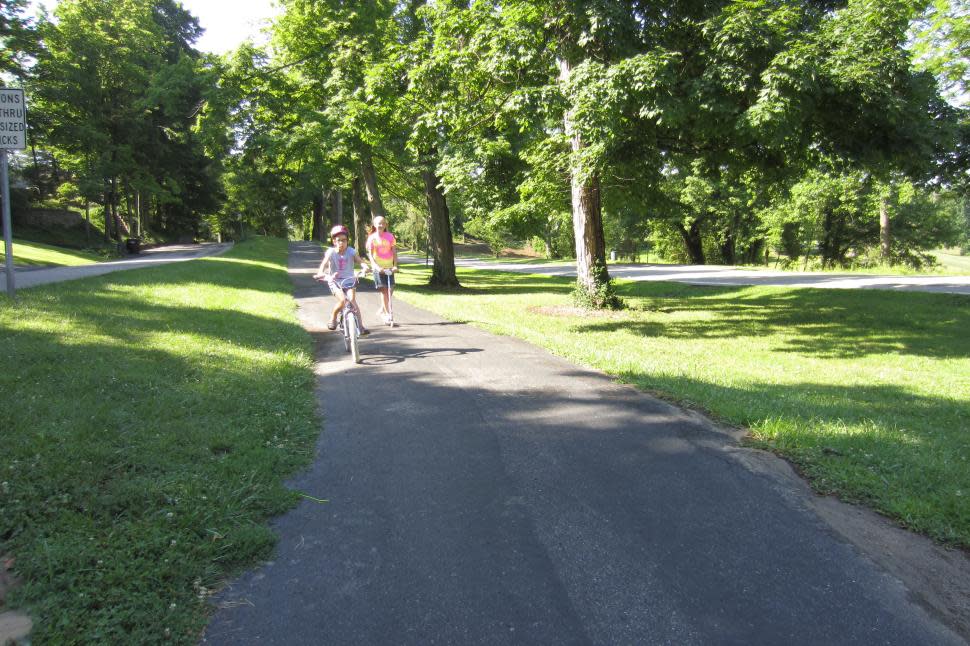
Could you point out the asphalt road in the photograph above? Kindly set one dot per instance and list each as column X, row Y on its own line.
column 482, row 491
column 31, row 277
column 724, row 275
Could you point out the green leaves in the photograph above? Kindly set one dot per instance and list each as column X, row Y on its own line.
column 941, row 44
column 18, row 38
column 117, row 87
column 730, row 95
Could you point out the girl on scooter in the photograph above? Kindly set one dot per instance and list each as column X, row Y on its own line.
column 382, row 251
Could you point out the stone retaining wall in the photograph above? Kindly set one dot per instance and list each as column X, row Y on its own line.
column 49, row 219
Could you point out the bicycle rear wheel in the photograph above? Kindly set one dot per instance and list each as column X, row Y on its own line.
column 352, row 332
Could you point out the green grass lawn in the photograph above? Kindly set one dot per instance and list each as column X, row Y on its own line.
column 953, row 263
column 35, row 253
column 147, row 421
column 866, row 391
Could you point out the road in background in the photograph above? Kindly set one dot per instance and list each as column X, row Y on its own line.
column 724, row 275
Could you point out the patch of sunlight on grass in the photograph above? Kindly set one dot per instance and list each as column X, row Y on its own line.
column 141, row 415
column 36, row 253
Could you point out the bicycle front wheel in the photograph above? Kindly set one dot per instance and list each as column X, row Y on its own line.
column 352, row 332
column 343, row 328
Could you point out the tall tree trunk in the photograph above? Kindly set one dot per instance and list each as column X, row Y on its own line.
column 87, row 220
column 316, row 223
column 360, row 214
column 40, row 186
column 129, row 222
column 828, row 245
column 693, row 242
column 54, row 171
column 115, row 219
column 115, row 229
column 370, row 184
column 885, row 235
column 107, row 213
column 442, row 247
column 144, row 212
column 154, row 211
column 592, row 277
column 592, row 274
column 328, row 222
column 728, row 251
column 338, row 206
column 122, row 227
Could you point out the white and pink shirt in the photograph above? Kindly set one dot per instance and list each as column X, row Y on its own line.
column 341, row 265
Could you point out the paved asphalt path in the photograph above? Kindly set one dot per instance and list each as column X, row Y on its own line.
column 482, row 491
column 30, row 277
column 723, row 275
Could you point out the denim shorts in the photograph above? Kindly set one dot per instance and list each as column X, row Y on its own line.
column 383, row 280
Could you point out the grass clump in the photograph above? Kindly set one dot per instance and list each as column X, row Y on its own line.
column 147, row 420
column 867, row 391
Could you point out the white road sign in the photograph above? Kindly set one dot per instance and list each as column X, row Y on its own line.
column 13, row 119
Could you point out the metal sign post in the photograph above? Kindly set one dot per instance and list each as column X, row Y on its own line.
column 13, row 136
column 7, row 234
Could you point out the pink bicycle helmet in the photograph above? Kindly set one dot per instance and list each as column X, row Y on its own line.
column 337, row 230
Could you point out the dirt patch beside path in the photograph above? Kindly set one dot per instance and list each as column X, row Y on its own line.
column 937, row 578
column 14, row 626
column 570, row 310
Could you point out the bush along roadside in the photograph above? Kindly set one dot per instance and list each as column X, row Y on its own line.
column 147, row 421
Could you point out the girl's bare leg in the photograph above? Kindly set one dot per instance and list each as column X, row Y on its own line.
column 336, row 309
column 352, row 295
column 390, row 312
column 384, row 301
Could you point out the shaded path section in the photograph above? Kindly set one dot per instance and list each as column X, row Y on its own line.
column 24, row 278
column 482, row 491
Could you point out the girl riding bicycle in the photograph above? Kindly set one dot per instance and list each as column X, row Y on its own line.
column 337, row 269
column 382, row 251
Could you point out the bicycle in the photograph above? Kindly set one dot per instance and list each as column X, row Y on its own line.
column 347, row 321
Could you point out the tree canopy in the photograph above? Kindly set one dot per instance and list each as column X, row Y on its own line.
column 733, row 132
